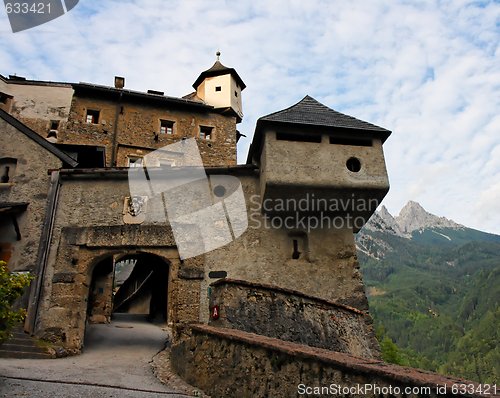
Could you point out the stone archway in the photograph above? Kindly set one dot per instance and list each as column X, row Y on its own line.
column 62, row 317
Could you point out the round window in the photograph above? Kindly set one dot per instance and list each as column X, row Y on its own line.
column 353, row 164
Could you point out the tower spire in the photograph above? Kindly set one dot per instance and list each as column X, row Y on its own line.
column 218, row 55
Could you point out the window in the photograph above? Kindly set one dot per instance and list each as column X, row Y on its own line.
column 353, row 164
column 54, row 124
column 354, row 141
column 134, row 161
column 218, row 88
column 206, row 133
column 304, row 137
column 166, row 127
column 235, row 93
column 5, row 101
column 52, row 136
column 92, row 117
column 299, row 245
column 7, row 169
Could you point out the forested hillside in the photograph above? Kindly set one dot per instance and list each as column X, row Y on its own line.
column 434, row 292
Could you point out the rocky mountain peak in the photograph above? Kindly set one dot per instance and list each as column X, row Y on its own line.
column 414, row 217
column 383, row 221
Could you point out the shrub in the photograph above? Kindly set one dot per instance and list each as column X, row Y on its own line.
column 12, row 286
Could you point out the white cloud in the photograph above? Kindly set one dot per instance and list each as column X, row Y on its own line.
column 427, row 70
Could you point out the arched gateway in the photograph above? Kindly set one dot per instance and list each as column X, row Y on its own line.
column 131, row 282
column 81, row 287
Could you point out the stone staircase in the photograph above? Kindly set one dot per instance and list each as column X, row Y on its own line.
column 22, row 345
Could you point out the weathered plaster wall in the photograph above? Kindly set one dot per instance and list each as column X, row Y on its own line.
column 36, row 105
column 292, row 316
column 29, row 183
column 232, row 363
column 329, row 166
column 229, row 95
column 327, row 267
column 294, row 169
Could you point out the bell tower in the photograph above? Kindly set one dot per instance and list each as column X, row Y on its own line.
column 221, row 87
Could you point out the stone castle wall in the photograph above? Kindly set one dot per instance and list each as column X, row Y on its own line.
column 328, row 268
column 29, row 183
column 232, row 363
column 137, row 129
column 292, row 316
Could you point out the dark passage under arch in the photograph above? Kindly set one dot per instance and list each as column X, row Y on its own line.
column 134, row 284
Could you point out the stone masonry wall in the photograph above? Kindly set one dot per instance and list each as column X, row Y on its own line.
column 327, row 268
column 138, row 129
column 231, row 363
column 292, row 316
column 29, row 183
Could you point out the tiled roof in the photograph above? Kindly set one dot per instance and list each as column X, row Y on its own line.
column 218, row 69
column 311, row 112
column 141, row 95
column 193, row 97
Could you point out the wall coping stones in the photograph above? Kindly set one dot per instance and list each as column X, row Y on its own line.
column 370, row 367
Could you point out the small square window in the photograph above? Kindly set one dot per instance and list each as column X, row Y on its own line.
column 235, row 93
column 54, row 124
column 206, row 133
column 134, row 161
column 92, row 116
column 166, row 127
column 218, row 88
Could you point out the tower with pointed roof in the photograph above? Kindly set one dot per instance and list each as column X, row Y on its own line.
column 311, row 151
column 221, row 87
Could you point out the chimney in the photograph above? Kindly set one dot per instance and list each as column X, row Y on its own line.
column 119, row 82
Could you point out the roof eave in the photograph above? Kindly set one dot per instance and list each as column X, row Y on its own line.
column 146, row 96
column 214, row 73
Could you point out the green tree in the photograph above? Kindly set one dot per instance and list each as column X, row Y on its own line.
column 390, row 351
column 11, row 287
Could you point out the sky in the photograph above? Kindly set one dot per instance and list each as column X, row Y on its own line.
column 429, row 71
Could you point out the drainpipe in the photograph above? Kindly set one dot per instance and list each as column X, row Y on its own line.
column 43, row 253
column 114, row 149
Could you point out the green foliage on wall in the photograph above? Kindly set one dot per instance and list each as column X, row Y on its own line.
column 11, row 287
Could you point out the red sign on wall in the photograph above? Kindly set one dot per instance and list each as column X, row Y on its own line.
column 214, row 312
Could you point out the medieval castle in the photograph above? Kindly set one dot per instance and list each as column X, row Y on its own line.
column 282, row 285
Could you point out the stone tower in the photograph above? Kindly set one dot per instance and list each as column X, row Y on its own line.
column 334, row 161
column 221, row 87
